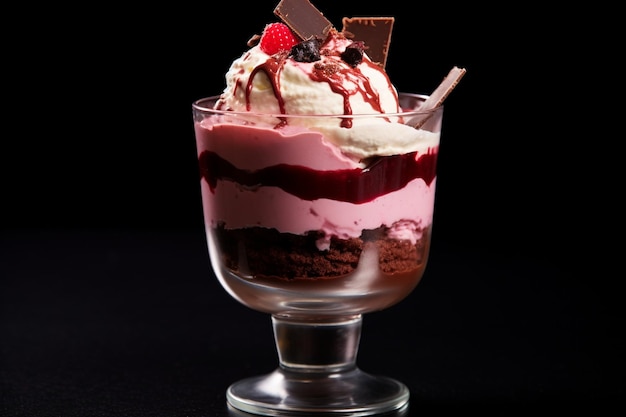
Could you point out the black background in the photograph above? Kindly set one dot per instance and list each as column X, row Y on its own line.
column 108, row 303
column 101, row 134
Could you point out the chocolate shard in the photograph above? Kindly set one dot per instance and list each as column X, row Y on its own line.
column 303, row 19
column 375, row 32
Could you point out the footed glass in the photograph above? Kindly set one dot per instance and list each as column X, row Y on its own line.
column 315, row 239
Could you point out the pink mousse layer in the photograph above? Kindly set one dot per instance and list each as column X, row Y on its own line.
column 406, row 211
column 251, row 147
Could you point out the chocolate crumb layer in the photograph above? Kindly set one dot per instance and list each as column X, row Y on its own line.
column 266, row 252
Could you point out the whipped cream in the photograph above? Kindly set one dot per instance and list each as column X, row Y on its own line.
column 273, row 85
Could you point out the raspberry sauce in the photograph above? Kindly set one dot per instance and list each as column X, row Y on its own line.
column 382, row 176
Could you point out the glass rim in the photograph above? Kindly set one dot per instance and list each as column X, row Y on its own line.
column 197, row 105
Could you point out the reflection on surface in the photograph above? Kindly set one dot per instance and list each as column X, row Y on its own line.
column 402, row 412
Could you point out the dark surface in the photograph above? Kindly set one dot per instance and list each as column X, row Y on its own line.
column 108, row 306
column 134, row 324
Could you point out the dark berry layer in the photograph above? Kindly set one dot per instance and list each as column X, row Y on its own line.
column 384, row 175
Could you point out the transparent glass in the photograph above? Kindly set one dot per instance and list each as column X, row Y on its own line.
column 316, row 239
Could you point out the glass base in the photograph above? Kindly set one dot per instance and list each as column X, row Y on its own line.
column 344, row 393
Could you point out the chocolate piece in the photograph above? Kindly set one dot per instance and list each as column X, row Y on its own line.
column 303, row 19
column 375, row 32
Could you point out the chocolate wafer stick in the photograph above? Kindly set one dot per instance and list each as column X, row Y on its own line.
column 438, row 96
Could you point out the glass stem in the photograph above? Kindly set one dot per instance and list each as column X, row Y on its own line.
column 325, row 345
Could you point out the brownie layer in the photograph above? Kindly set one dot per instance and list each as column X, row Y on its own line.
column 266, row 252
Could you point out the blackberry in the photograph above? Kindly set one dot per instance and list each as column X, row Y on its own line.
column 353, row 54
column 306, row 51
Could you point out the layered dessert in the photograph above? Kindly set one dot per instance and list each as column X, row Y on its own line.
column 318, row 178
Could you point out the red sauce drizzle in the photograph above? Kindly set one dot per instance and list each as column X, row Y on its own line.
column 337, row 74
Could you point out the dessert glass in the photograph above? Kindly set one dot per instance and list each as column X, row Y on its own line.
column 316, row 320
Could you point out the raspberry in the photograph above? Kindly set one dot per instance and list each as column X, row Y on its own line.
column 277, row 37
